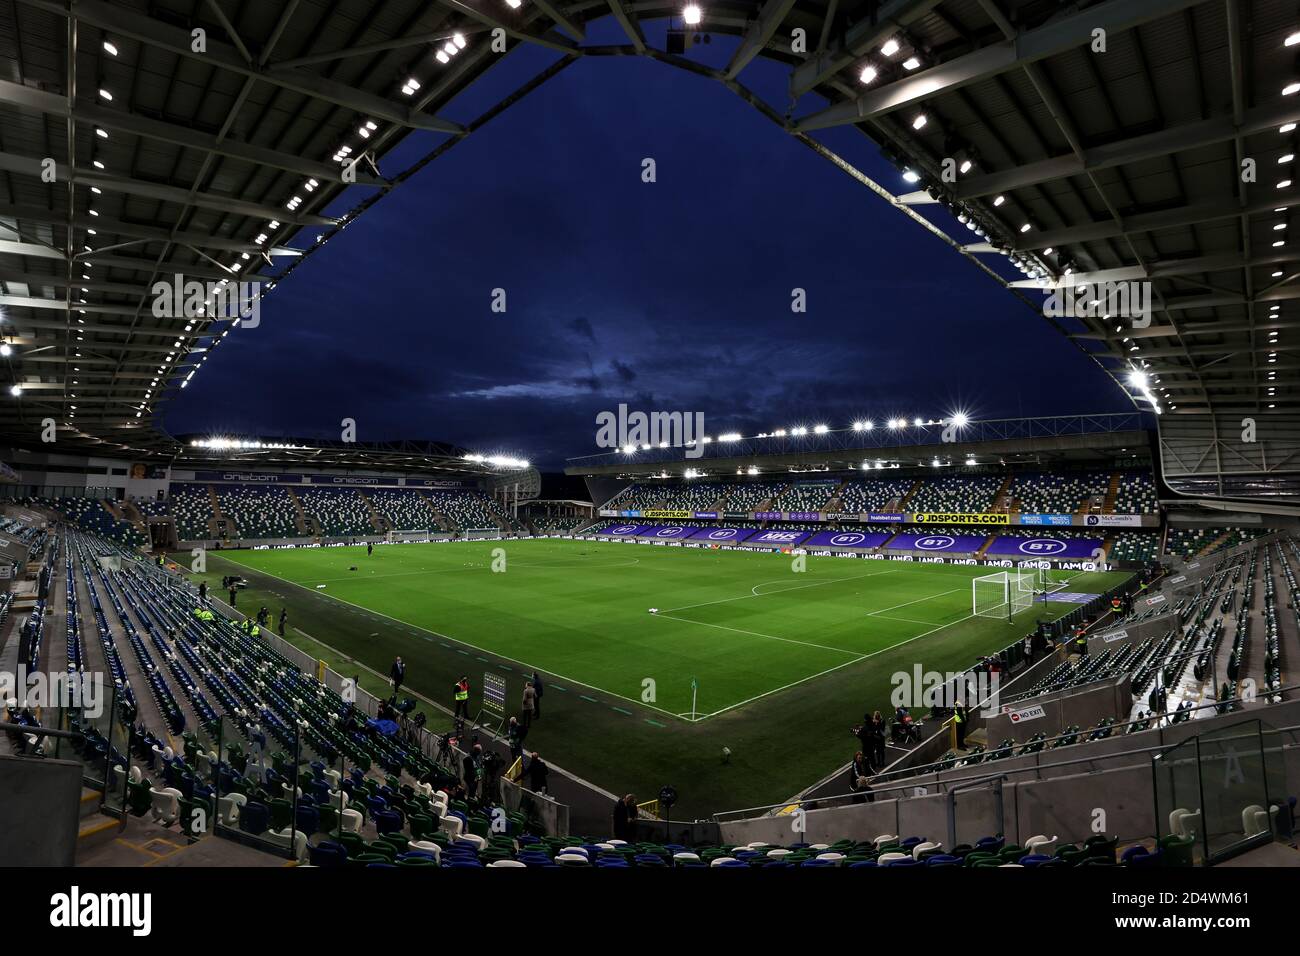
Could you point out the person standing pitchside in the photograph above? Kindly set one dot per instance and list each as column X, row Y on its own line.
column 461, row 694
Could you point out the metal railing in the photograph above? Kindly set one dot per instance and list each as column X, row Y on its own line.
column 912, row 784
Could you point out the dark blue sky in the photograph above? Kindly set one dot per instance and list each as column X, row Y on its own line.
column 667, row 296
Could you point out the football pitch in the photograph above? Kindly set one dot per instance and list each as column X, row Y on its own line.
column 730, row 627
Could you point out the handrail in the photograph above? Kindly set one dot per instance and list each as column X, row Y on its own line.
column 42, row 731
column 913, row 784
column 916, row 771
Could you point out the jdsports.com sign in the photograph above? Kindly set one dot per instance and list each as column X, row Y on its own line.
column 948, row 517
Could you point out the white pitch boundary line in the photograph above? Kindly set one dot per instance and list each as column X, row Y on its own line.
column 905, row 620
column 929, row 597
column 770, row 637
column 750, row 700
column 797, row 587
column 793, row 683
column 448, row 637
column 477, row 567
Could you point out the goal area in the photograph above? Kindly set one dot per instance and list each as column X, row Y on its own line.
column 1004, row 594
column 400, row 537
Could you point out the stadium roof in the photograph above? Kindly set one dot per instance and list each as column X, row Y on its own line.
column 151, row 149
column 1103, row 439
column 198, row 451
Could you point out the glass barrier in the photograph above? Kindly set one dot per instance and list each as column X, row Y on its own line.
column 1212, row 794
column 255, row 786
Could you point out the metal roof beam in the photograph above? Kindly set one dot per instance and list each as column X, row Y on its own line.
column 11, row 248
column 1028, row 46
column 135, row 231
column 1218, row 129
column 128, row 23
column 1189, row 215
column 38, row 101
column 31, row 166
column 757, row 35
column 560, row 19
column 57, row 305
column 864, row 35
column 558, row 44
column 1156, row 270
column 628, row 23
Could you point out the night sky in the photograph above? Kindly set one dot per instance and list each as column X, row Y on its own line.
column 670, row 296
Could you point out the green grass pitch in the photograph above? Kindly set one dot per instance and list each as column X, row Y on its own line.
column 761, row 640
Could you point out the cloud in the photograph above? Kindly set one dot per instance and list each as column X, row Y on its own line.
column 583, row 328
column 549, row 390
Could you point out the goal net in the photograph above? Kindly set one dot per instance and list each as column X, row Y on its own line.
column 1004, row 593
column 398, row 537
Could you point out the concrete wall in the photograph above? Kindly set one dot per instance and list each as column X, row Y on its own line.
column 1052, row 793
column 40, row 809
column 1083, row 706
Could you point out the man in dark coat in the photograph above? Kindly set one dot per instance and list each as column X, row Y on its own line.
column 537, row 773
column 624, row 813
column 471, row 765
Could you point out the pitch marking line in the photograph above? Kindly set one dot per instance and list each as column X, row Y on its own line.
column 905, row 620
column 753, row 591
column 801, row 680
column 770, row 637
column 330, row 597
column 929, row 597
column 478, row 567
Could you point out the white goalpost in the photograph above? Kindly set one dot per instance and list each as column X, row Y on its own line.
column 1003, row 594
column 400, row 537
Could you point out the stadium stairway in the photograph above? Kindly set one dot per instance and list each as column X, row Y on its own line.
column 139, row 841
column 902, row 502
column 218, row 516
column 299, row 516
column 1002, row 500
column 438, row 516
column 1215, row 544
column 132, row 514
column 377, row 521
column 1112, row 491
column 94, row 829
column 835, row 502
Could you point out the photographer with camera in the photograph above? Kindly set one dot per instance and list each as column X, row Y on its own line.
column 471, row 771
column 493, row 764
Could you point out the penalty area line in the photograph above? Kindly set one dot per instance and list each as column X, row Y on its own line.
column 770, row 637
column 858, row 660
